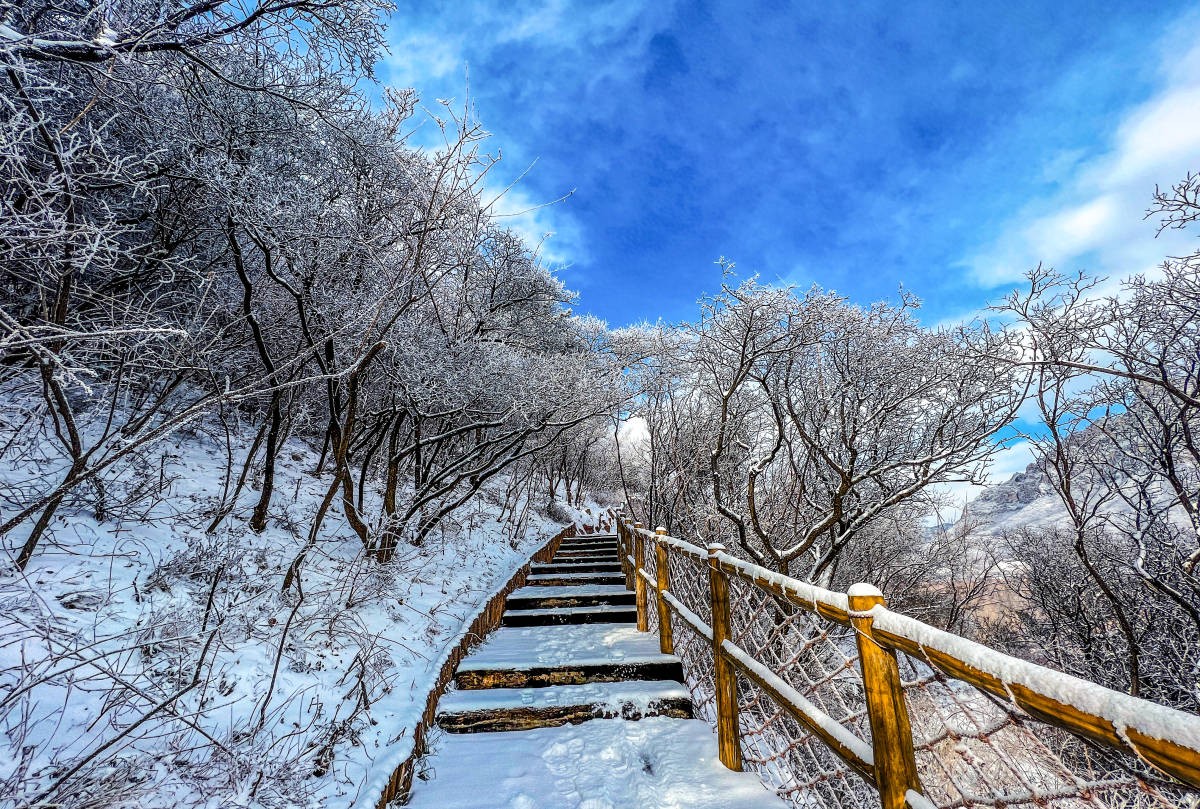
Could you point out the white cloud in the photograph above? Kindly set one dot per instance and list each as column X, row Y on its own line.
column 1097, row 222
column 634, row 432
column 1078, row 229
column 543, row 225
column 1159, row 135
column 436, row 52
column 1009, row 461
column 417, row 57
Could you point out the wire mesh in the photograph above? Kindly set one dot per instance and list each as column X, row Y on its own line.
column 689, row 584
column 977, row 751
column 972, row 750
column 820, row 660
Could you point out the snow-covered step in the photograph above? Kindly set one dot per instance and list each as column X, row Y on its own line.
column 589, row 546
column 495, row 709
column 581, row 549
column 582, row 595
column 594, row 614
column 522, row 657
column 609, row 763
column 608, row 553
column 603, row 553
column 562, row 579
column 576, row 567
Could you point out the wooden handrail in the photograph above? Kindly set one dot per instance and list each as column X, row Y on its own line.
column 1167, row 738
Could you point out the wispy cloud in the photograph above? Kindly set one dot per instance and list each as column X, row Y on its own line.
column 553, row 233
column 421, row 56
column 518, row 57
column 1098, row 220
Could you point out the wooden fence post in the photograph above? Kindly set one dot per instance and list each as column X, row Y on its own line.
column 728, row 748
column 891, row 732
column 639, row 583
column 621, row 539
column 626, row 553
column 666, row 638
column 621, row 547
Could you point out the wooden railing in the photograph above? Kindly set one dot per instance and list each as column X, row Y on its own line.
column 1165, row 738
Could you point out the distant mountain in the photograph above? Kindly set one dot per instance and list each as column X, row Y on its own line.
column 1025, row 499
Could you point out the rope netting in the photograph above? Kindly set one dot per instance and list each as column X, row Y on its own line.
column 689, row 585
column 817, row 658
column 972, row 750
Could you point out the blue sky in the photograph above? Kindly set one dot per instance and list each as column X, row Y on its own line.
column 943, row 147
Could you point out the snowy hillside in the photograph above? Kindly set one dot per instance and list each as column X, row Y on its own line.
column 164, row 667
column 1028, row 500
column 1024, row 500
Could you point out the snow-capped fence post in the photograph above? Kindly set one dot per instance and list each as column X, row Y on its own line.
column 666, row 638
column 625, row 548
column 639, row 582
column 725, row 678
column 891, row 732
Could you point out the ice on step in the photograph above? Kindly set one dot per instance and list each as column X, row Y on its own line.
column 641, row 695
column 583, row 645
column 602, row 764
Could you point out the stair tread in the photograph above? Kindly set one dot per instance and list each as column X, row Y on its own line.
column 568, row 591
column 641, row 693
column 556, row 646
column 596, row 577
column 582, row 608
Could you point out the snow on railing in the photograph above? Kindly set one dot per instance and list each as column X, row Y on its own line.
column 838, row 701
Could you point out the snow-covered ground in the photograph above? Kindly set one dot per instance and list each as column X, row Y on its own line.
column 602, row 764
column 168, row 661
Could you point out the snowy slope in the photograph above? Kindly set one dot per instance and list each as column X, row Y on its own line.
column 1027, row 500
column 1024, row 500
column 168, row 661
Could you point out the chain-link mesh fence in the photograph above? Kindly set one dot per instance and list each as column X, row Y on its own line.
column 972, row 749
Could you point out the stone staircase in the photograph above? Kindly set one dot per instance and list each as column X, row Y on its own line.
column 568, row 650
column 567, row 706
